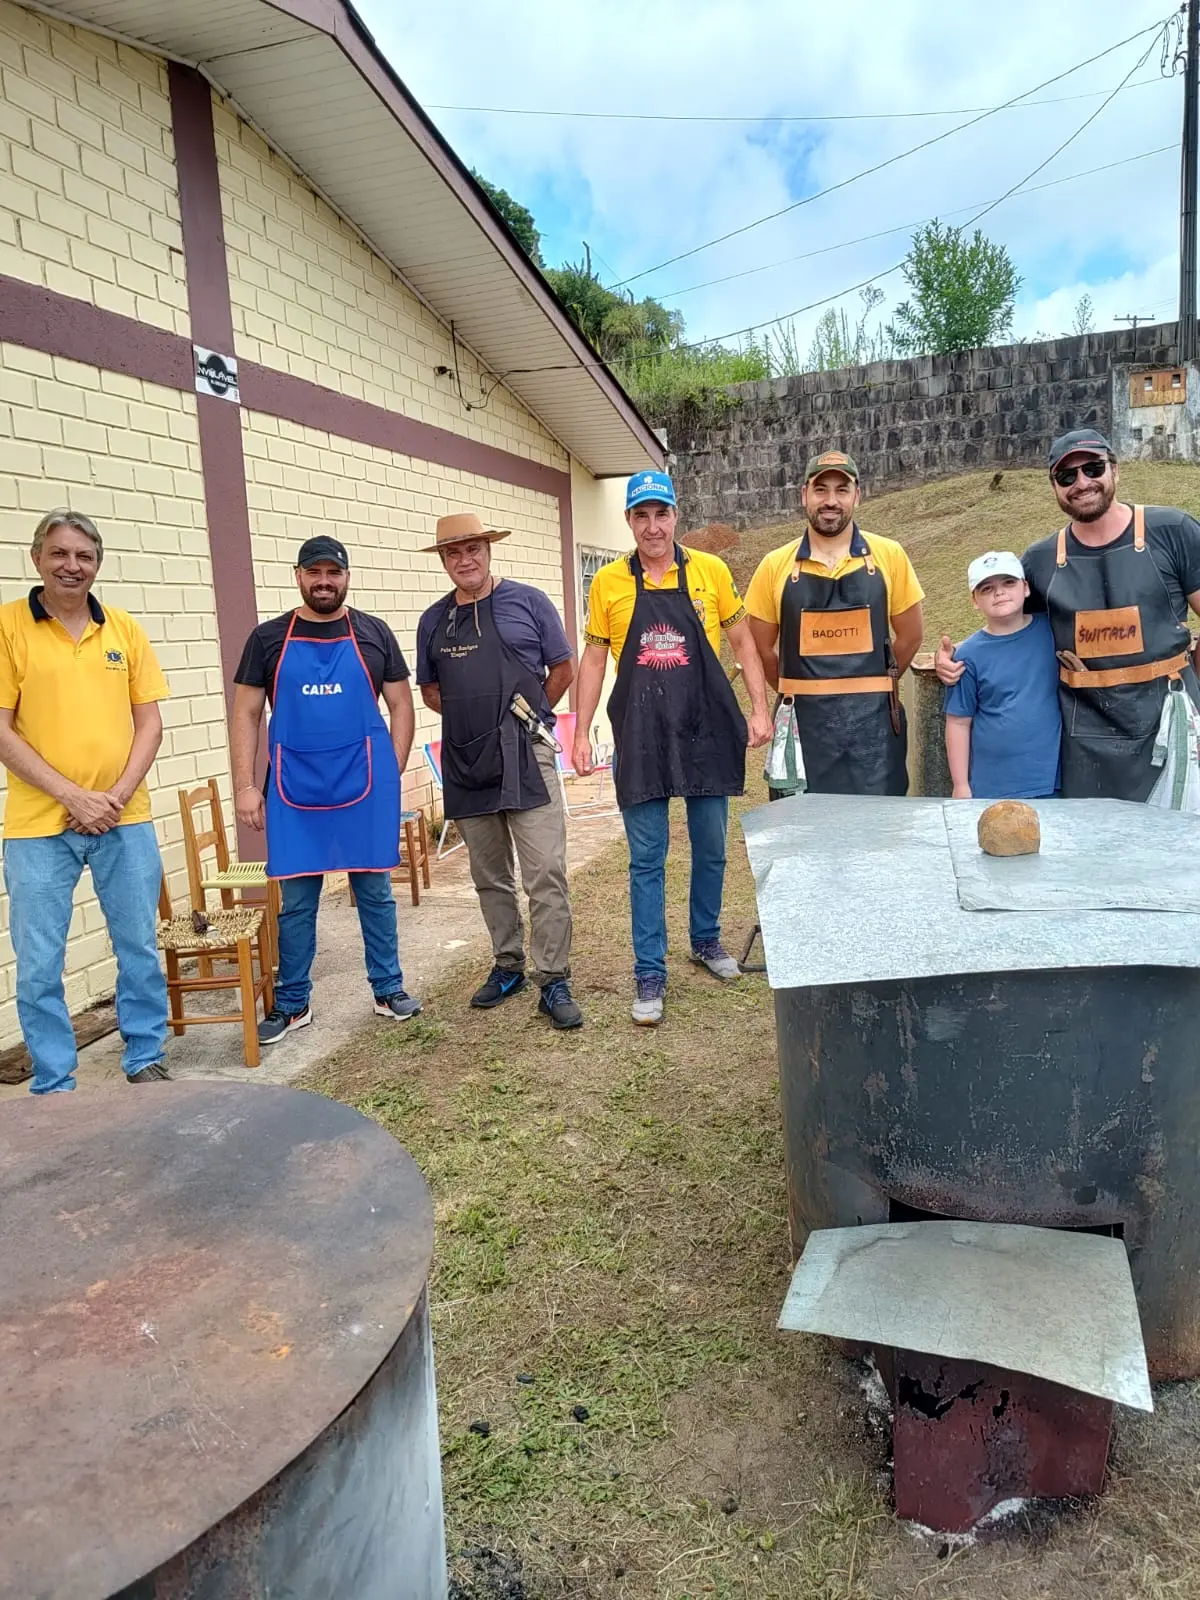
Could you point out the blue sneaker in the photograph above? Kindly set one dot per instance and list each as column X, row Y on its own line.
column 399, row 1006
column 499, row 984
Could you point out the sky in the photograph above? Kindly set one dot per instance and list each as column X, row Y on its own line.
column 642, row 191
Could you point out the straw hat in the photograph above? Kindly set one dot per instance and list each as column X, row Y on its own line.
column 459, row 528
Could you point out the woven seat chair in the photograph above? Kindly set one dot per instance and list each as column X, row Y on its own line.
column 234, row 934
column 230, row 878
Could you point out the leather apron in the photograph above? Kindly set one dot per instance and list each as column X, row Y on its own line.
column 333, row 792
column 677, row 726
column 1111, row 609
column 835, row 657
column 488, row 761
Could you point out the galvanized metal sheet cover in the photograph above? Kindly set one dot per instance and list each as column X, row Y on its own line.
column 1089, row 860
column 862, row 888
column 1053, row 1303
column 194, row 1282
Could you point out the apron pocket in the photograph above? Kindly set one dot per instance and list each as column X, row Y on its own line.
column 324, row 780
column 475, row 763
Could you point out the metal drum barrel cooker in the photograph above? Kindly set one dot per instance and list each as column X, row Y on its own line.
column 974, row 1051
column 214, row 1334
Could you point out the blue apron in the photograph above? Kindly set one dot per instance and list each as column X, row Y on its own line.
column 333, row 793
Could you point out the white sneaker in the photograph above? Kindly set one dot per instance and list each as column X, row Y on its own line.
column 714, row 957
column 648, row 1006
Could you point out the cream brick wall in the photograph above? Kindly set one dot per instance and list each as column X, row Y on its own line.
column 126, row 454
column 89, row 204
column 301, row 482
column 311, row 299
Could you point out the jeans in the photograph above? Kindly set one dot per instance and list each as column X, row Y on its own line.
column 298, row 936
column 40, row 876
column 647, row 828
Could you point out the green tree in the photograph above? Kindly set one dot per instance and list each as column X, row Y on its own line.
column 518, row 217
column 963, row 292
column 619, row 328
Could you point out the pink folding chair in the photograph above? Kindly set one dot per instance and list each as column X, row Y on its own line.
column 433, row 759
column 598, row 805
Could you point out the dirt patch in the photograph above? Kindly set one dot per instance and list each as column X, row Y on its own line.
column 715, row 539
column 611, row 1256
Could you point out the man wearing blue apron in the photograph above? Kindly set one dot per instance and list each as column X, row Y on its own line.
column 1116, row 582
column 332, row 799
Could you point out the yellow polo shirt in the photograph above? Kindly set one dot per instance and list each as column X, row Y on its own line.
column 72, row 704
column 775, row 568
column 614, row 591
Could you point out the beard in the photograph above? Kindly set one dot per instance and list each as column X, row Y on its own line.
column 828, row 529
column 326, row 604
column 1095, row 508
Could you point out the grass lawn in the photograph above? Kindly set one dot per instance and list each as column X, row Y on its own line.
column 611, row 1257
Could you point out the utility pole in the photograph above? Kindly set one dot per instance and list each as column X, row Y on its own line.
column 1133, row 318
column 1189, row 342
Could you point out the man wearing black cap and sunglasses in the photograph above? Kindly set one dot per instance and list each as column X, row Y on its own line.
column 1117, row 582
column 332, row 799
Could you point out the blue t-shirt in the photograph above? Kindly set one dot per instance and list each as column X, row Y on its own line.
column 525, row 619
column 1010, row 691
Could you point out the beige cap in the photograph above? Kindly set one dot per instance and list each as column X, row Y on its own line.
column 459, row 528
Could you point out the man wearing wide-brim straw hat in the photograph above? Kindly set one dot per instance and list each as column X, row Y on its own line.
column 488, row 641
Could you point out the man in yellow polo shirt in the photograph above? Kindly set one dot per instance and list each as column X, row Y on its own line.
column 79, row 730
column 837, row 620
column 677, row 727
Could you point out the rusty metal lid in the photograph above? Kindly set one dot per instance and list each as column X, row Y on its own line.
column 195, row 1280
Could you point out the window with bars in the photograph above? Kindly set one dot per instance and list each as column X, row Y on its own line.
column 590, row 562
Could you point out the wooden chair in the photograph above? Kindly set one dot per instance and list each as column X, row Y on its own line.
column 234, row 935
column 229, row 874
column 414, row 856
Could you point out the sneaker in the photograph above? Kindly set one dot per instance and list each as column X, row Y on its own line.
column 500, row 983
column 648, row 1007
column 154, row 1073
column 714, row 957
column 276, row 1023
column 398, row 1006
column 556, row 1003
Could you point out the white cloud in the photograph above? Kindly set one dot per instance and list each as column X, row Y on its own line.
column 640, row 192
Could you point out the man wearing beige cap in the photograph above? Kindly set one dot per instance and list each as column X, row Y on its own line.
column 487, row 643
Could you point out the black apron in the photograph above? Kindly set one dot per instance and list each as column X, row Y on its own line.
column 677, row 727
column 835, row 657
column 1110, row 607
column 488, row 761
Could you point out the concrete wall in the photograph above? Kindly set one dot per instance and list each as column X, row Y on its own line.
column 930, row 417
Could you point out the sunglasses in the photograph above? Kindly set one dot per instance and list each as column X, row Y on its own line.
column 1064, row 477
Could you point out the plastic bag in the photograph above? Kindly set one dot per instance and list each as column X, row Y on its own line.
column 784, row 765
column 1177, row 752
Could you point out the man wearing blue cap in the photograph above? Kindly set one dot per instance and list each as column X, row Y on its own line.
column 1116, row 583
column 677, row 727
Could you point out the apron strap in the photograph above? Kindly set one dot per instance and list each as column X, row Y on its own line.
column 822, row 686
column 1060, row 553
column 1113, row 677
column 1139, row 528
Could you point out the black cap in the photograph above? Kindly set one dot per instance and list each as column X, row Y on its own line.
column 323, row 548
column 1082, row 441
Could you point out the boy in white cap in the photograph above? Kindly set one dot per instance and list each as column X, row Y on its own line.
column 1003, row 726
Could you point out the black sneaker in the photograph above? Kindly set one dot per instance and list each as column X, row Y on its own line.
column 556, row 1003
column 500, row 983
column 398, row 1006
column 154, row 1073
column 276, row 1023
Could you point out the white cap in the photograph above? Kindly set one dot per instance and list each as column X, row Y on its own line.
column 995, row 564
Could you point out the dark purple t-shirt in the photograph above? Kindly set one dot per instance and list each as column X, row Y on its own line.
column 525, row 619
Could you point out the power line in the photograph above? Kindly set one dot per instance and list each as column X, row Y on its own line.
column 766, row 116
column 879, row 166
column 885, row 233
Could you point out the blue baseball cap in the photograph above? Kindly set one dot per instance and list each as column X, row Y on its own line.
column 645, row 486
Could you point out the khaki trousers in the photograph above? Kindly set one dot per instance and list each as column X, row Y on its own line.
column 539, row 840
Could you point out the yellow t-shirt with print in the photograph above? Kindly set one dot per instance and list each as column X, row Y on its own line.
column 614, row 592
column 73, row 704
column 775, row 568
